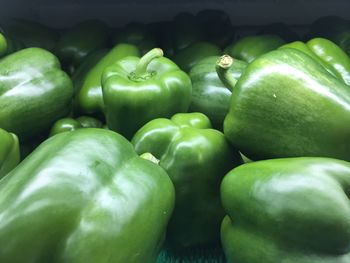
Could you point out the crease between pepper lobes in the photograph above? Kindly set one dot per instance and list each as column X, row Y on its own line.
column 83, row 205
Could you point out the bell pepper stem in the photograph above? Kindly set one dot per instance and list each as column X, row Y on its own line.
column 223, row 65
column 141, row 67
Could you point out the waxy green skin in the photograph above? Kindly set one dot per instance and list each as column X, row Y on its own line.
column 65, row 124
column 188, row 57
column 77, row 42
column 287, row 210
column 34, row 92
column 132, row 99
column 9, row 152
column 209, row 95
column 84, row 205
column 70, row 124
column 251, row 47
column 3, row 45
column 89, row 122
column 89, row 97
column 87, row 64
column 196, row 157
column 303, row 110
column 33, row 34
column 79, row 75
column 328, row 54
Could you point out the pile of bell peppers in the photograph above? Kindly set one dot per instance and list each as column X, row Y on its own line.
column 176, row 141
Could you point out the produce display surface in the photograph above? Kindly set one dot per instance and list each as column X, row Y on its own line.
column 178, row 141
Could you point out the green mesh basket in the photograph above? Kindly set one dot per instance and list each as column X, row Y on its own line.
column 213, row 255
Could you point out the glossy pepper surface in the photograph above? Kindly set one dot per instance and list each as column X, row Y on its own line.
column 70, row 124
column 3, row 45
column 34, row 92
column 137, row 90
column 286, row 104
column 86, row 65
column 251, row 47
column 80, row 73
column 82, row 205
column 287, row 210
column 65, row 124
column 328, row 54
column 90, row 99
column 209, row 95
column 196, row 157
column 89, row 122
column 9, row 152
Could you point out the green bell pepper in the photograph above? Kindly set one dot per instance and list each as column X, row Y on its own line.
column 89, row 97
column 84, row 197
column 89, row 122
column 34, row 92
column 33, row 34
column 86, row 65
column 251, row 47
column 287, row 210
column 79, row 75
column 188, row 57
column 209, row 95
column 286, row 104
column 196, row 157
column 328, row 54
column 70, row 124
column 137, row 90
column 9, row 152
column 65, row 124
column 3, row 45
column 77, row 42
column 136, row 34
